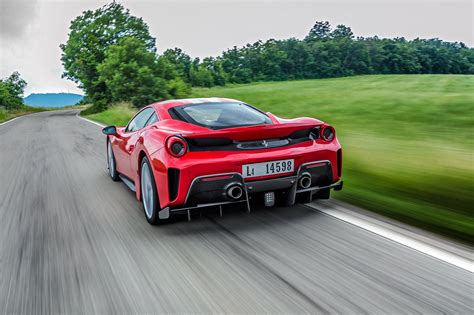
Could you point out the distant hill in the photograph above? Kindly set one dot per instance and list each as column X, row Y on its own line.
column 52, row 99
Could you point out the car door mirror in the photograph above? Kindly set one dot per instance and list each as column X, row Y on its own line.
column 109, row 130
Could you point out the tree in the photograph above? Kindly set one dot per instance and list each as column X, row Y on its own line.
column 181, row 62
column 7, row 100
column 200, row 75
column 272, row 58
column 11, row 91
column 236, row 65
column 90, row 36
column 319, row 31
column 131, row 73
column 214, row 65
column 296, row 65
column 342, row 32
column 332, row 53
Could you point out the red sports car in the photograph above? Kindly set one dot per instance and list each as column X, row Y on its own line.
column 184, row 155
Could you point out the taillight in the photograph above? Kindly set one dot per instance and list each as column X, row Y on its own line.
column 176, row 146
column 328, row 133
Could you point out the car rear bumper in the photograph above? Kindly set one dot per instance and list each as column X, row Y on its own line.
column 187, row 209
column 180, row 180
column 213, row 190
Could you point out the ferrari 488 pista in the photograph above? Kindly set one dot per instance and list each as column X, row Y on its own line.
column 185, row 155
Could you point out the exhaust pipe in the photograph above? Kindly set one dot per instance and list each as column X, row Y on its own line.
column 235, row 191
column 304, row 181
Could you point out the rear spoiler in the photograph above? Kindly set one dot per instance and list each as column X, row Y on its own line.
column 259, row 132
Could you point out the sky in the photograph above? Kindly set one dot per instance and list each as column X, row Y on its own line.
column 32, row 30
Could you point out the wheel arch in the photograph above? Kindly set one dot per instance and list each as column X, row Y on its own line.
column 138, row 189
column 141, row 155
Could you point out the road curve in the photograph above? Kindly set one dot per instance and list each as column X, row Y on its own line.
column 73, row 241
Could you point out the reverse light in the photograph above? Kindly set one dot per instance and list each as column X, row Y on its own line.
column 176, row 146
column 328, row 133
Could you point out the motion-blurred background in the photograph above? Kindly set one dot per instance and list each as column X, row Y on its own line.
column 401, row 99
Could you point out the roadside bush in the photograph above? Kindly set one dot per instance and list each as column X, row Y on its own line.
column 96, row 107
column 11, row 91
column 178, row 88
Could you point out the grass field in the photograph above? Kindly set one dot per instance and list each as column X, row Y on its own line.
column 118, row 115
column 407, row 140
column 10, row 114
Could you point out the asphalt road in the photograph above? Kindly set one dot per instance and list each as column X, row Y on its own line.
column 73, row 241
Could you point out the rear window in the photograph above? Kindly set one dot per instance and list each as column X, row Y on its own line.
column 220, row 115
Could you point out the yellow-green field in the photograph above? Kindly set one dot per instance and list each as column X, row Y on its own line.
column 407, row 140
column 10, row 114
column 118, row 115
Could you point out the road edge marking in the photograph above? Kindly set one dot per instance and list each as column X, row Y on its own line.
column 10, row 120
column 398, row 237
column 90, row 121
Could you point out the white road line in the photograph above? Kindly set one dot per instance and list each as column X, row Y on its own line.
column 91, row 121
column 427, row 249
column 6, row 122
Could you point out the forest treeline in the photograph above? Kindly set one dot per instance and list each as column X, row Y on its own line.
column 324, row 53
column 112, row 56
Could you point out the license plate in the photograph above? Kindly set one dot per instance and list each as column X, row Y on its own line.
column 268, row 168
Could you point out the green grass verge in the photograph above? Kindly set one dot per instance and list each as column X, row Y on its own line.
column 10, row 114
column 118, row 115
column 407, row 140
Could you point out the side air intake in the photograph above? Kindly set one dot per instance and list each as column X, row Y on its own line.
column 173, row 183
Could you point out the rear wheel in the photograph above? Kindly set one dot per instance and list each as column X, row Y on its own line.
column 111, row 162
column 151, row 204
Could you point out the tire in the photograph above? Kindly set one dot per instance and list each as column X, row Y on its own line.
column 150, row 200
column 111, row 165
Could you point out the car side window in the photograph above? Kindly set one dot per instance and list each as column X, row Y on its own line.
column 140, row 120
column 153, row 119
